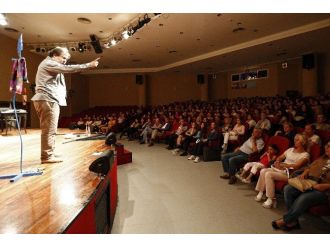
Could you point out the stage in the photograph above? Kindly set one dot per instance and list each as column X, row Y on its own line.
column 65, row 198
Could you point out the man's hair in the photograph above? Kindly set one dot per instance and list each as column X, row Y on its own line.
column 58, row 51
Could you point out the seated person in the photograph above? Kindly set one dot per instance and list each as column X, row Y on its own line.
column 250, row 121
column 206, row 137
column 154, row 131
column 294, row 158
column 188, row 138
column 232, row 135
column 81, row 124
column 311, row 137
column 173, row 137
column 298, row 202
column 288, row 132
column 232, row 162
column 264, row 123
column 146, row 129
column 251, row 168
column 321, row 123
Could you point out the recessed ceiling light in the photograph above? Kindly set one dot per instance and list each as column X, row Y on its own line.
column 238, row 29
column 100, row 31
column 198, row 39
column 137, row 38
column 160, row 24
column 9, row 29
column 84, row 20
column 219, row 15
column 181, row 32
column 70, row 33
column 110, row 18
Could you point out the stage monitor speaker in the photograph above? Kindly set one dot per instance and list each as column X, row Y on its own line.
column 111, row 139
column 308, row 61
column 103, row 163
column 200, row 79
column 95, row 42
column 139, row 79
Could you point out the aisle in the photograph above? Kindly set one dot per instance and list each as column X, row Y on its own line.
column 162, row 193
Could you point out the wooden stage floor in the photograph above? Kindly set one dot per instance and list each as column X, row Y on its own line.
column 46, row 203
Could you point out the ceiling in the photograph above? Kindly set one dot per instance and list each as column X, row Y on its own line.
column 185, row 42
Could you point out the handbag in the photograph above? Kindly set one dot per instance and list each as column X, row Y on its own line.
column 302, row 184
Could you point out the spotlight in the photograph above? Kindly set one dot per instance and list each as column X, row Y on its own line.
column 43, row 50
column 73, row 48
column 126, row 34
column 81, row 47
column 113, row 41
column 38, row 49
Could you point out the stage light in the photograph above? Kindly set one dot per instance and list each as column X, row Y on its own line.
column 81, row 47
column 3, row 21
column 125, row 34
column 113, row 41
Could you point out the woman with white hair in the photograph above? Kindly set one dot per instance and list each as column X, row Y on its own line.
column 292, row 159
column 51, row 94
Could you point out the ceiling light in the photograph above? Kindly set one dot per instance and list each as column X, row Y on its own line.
column 3, row 21
column 84, row 20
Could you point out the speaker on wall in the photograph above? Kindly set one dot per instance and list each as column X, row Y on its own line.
column 200, row 79
column 308, row 61
column 139, row 79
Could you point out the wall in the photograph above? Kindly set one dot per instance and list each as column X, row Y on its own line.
column 112, row 89
column 290, row 78
column 8, row 51
column 324, row 72
column 167, row 87
column 78, row 97
column 218, row 87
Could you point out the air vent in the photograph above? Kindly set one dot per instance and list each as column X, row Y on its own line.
column 12, row 30
column 239, row 29
column 84, row 20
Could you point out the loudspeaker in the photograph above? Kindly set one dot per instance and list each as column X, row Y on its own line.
column 200, row 79
column 96, row 44
column 111, row 139
column 139, row 79
column 103, row 164
column 308, row 61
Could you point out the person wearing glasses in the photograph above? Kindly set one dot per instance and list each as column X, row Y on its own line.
column 50, row 94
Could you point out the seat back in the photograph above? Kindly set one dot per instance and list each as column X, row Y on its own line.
column 315, row 152
column 281, row 142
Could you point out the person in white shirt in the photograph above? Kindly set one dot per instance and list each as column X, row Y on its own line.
column 232, row 162
column 232, row 135
column 263, row 123
column 291, row 160
column 311, row 137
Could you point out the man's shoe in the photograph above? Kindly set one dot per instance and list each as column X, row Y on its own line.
column 52, row 160
column 225, row 176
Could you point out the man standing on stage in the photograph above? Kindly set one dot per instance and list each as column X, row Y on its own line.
column 51, row 94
